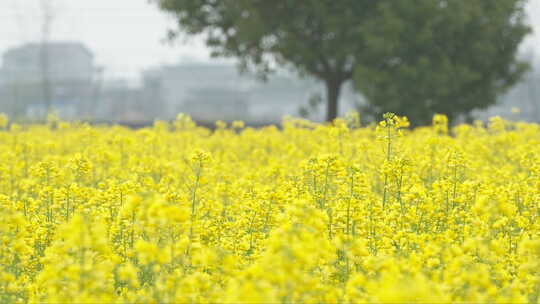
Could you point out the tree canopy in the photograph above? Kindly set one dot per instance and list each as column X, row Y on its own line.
column 446, row 57
column 415, row 59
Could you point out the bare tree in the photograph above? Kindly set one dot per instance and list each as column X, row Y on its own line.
column 12, row 87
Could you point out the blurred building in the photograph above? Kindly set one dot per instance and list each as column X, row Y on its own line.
column 64, row 76
column 208, row 91
column 204, row 91
column 209, row 104
column 59, row 74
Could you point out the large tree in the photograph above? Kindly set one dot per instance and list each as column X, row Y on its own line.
column 379, row 42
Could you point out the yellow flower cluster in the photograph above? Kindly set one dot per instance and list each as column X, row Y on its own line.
column 309, row 213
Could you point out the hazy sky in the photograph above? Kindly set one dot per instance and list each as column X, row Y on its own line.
column 126, row 36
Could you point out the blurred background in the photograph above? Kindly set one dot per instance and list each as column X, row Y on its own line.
column 111, row 61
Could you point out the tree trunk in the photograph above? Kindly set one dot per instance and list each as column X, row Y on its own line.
column 333, row 90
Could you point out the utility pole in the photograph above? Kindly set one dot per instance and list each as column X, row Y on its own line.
column 48, row 18
column 530, row 81
column 98, row 83
column 533, row 96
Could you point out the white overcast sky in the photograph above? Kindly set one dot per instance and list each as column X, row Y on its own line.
column 127, row 36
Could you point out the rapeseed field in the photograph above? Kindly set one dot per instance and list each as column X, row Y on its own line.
column 309, row 213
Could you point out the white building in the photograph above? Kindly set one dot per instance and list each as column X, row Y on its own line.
column 58, row 74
